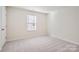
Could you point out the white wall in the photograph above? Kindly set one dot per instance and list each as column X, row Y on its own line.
column 17, row 24
column 64, row 24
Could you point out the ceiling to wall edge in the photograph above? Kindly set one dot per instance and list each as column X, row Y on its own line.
column 35, row 10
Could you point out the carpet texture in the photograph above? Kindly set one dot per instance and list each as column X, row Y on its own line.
column 40, row 44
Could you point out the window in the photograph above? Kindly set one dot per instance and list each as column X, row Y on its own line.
column 31, row 23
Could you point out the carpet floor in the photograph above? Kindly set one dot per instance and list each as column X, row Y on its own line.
column 40, row 44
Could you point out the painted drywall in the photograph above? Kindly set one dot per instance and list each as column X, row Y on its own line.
column 17, row 24
column 64, row 24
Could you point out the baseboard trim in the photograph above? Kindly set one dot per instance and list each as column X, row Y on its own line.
column 64, row 39
column 19, row 38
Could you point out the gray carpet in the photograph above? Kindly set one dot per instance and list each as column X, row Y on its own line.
column 40, row 44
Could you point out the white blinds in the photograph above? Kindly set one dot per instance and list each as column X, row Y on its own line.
column 31, row 23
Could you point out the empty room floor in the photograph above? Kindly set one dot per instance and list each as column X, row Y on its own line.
column 40, row 44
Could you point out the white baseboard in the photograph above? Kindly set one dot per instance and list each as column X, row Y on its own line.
column 19, row 38
column 64, row 39
column 15, row 39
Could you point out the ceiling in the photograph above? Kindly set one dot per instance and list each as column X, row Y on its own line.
column 45, row 9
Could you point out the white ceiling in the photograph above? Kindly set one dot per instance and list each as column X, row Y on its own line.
column 45, row 9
